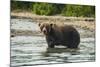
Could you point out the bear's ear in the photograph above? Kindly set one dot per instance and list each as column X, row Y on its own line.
column 51, row 24
column 39, row 24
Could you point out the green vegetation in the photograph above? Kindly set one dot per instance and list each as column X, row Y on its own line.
column 77, row 10
column 20, row 5
column 54, row 9
column 43, row 8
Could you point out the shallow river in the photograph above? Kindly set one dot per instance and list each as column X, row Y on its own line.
column 32, row 50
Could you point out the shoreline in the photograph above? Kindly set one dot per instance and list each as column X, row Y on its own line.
column 78, row 22
column 52, row 18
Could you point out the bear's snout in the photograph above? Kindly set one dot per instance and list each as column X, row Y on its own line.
column 44, row 30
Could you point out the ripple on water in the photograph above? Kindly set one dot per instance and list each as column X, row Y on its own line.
column 23, row 25
column 27, row 51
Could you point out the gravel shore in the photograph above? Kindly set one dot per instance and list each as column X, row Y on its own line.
column 88, row 23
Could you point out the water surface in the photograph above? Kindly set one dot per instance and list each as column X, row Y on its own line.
column 32, row 50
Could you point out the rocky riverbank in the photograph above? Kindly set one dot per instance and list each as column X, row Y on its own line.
column 87, row 23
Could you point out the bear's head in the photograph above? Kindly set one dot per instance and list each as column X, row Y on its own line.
column 46, row 28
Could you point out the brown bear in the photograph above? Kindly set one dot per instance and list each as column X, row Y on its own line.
column 57, row 34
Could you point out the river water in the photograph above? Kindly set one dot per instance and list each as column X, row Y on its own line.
column 32, row 50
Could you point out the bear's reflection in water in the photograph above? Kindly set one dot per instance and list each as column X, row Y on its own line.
column 60, row 50
column 50, row 51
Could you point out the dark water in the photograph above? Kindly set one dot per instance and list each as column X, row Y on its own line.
column 32, row 50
